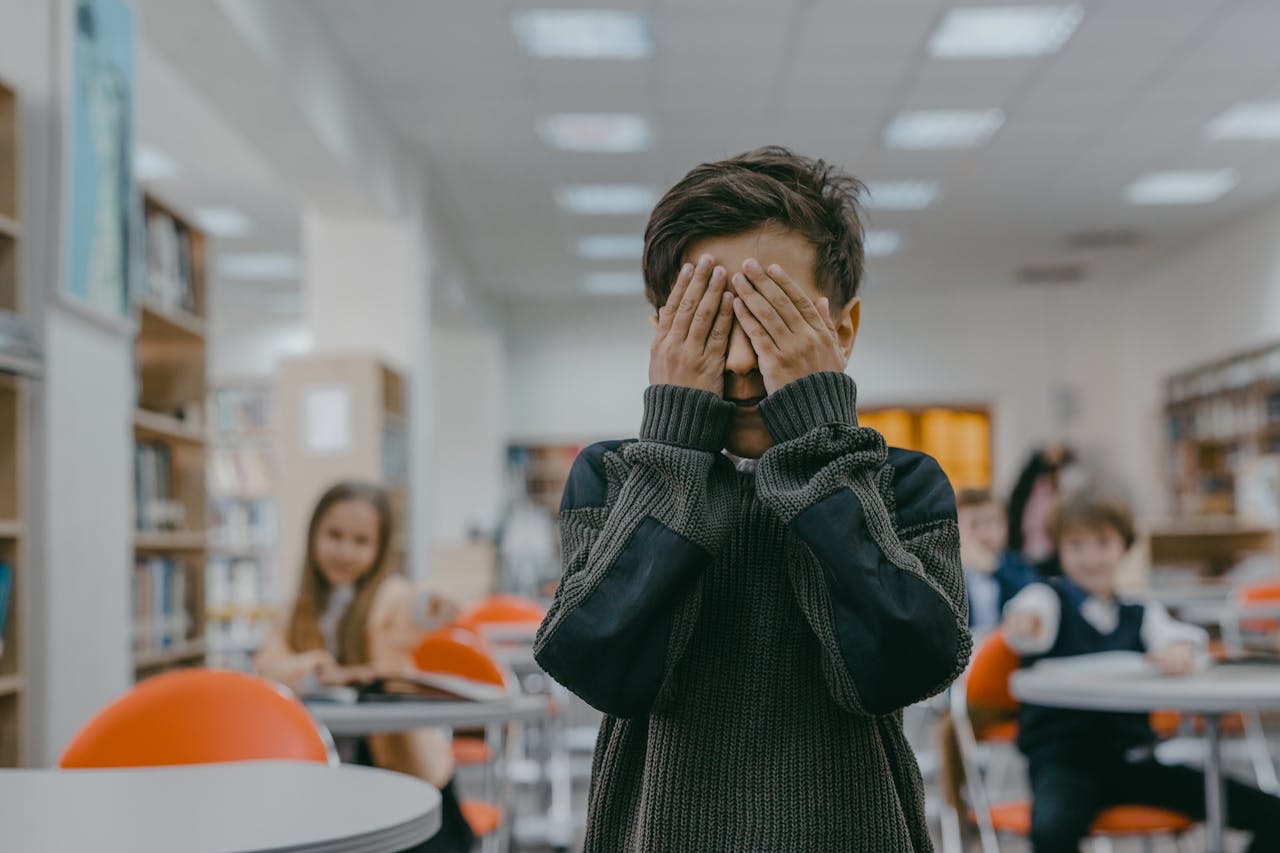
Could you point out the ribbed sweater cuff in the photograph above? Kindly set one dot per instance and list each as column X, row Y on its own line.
column 814, row 400
column 686, row 417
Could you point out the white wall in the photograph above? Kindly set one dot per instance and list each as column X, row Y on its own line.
column 467, row 416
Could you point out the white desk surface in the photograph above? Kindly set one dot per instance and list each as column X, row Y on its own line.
column 1122, row 681
column 216, row 808
column 366, row 718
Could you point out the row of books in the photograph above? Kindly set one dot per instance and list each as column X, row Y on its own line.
column 243, row 525
column 161, row 618
column 242, row 411
column 1223, row 418
column 6, row 593
column 1238, row 374
column 170, row 278
column 153, row 488
column 240, row 471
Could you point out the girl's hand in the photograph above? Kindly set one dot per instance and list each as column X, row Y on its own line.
column 1178, row 659
column 1023, row 626
column 334, row 675
column 441, row 610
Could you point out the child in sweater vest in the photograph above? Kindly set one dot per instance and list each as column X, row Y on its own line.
column 756, row 587
column 1082, row 761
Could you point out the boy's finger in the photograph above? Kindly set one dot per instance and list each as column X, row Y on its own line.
column 760, row 338
column 692, row 296
column 705, row 315
column 782, row 303
column 798, row 297
column 761, row 309
column 668, row 310
column 718, row 340
column 824, row 307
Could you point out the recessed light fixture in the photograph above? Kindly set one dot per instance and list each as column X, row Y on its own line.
column 611, row 247
column 1248, row 120
column 999, row 32
column 613, row 282
column 933, row 129
column 259, row 266
column 222, row 221
column 607, row 199
column 877, row 244
column 583, row 34
column 1181, row 187
column 152, row 164
column 609, row 132
column 901, row 195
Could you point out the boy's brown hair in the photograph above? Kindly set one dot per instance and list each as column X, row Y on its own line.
column 767, row 186
column 976, row 497
column 1092, row 508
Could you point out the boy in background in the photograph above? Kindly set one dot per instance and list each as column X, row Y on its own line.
column 755, row 588
column 993, row 573
column 1083, row 761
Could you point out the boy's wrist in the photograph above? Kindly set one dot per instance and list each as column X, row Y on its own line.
column 685, row 417
column 809, row 402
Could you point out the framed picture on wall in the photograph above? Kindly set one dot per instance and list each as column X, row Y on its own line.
column 101, row 204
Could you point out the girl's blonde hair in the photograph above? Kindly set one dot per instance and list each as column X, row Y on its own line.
column 313, row 591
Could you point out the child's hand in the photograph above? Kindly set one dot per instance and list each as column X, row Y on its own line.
column 1023, row 625
column 441, row 610
column 692, row 337
column 334, row 675
column 1177, row 659
column 792, row 336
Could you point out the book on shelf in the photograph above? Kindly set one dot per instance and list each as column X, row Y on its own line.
column 6, row 592
column 160, row 617
column 243, row 525
column 240, row 471
column 242, row 411
column 153, row 495
column 170, row 279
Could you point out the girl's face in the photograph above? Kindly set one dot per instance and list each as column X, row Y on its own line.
column 1091, row 556
column 346, row 543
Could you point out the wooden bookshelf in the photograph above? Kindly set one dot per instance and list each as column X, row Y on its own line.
column 1222, row 425
column 336, row 417
column 169, row 425
column 19, row 368
column 244, row 527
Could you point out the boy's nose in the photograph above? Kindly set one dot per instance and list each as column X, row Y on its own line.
column 741, row 358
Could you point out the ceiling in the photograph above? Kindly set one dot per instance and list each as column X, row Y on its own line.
column 1129, row 93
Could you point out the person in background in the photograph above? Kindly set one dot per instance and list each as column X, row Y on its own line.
column 1031, row 501
column 993, row 572
column 1083, row 761
column 756, row 588
column 354, row 620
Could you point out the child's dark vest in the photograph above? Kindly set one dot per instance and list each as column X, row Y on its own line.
column 1059, row 733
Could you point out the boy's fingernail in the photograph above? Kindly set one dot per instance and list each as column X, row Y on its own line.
column 774, row 269
column 751, row 266
column 704, row 262
column 686, row 269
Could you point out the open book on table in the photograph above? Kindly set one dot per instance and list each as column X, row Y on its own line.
column 411, row 686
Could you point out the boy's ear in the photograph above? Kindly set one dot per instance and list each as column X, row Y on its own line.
column 847, row 326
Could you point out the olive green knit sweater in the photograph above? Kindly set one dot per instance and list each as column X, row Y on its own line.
column 752, row 635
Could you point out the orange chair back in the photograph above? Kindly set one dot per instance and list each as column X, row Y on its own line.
column 987, row 686
column 503, row 610
column 1258, row 594
column 458, row 652
column 198, row 716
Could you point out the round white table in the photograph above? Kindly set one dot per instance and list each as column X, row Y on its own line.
column 216, row 808
column 347, row 719
column 1124, row 682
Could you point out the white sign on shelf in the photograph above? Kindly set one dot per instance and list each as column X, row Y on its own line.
column 327, row 420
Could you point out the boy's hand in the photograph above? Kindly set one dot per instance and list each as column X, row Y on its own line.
column 792, row 336
column 1023, row 626
column 1177, row 659
column 692, row 339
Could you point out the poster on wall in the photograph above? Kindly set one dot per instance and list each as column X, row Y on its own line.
column 101, row 202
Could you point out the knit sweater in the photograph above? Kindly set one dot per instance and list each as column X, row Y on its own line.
column 753, row 636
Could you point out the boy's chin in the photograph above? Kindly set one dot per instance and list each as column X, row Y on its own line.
column 748, row 438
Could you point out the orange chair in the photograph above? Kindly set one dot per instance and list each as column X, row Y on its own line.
column 460, row 653
column 503, row 611
column 200, row 716
column 986, row 686
column 1256, row 612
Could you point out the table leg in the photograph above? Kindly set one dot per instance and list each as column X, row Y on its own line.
column 1215, row 811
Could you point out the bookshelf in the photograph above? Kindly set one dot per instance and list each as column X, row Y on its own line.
column 337, row 417
column 170, row 448
column 241, row 592
column 20, row 367
column 1222, row 463
column 959, row 437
